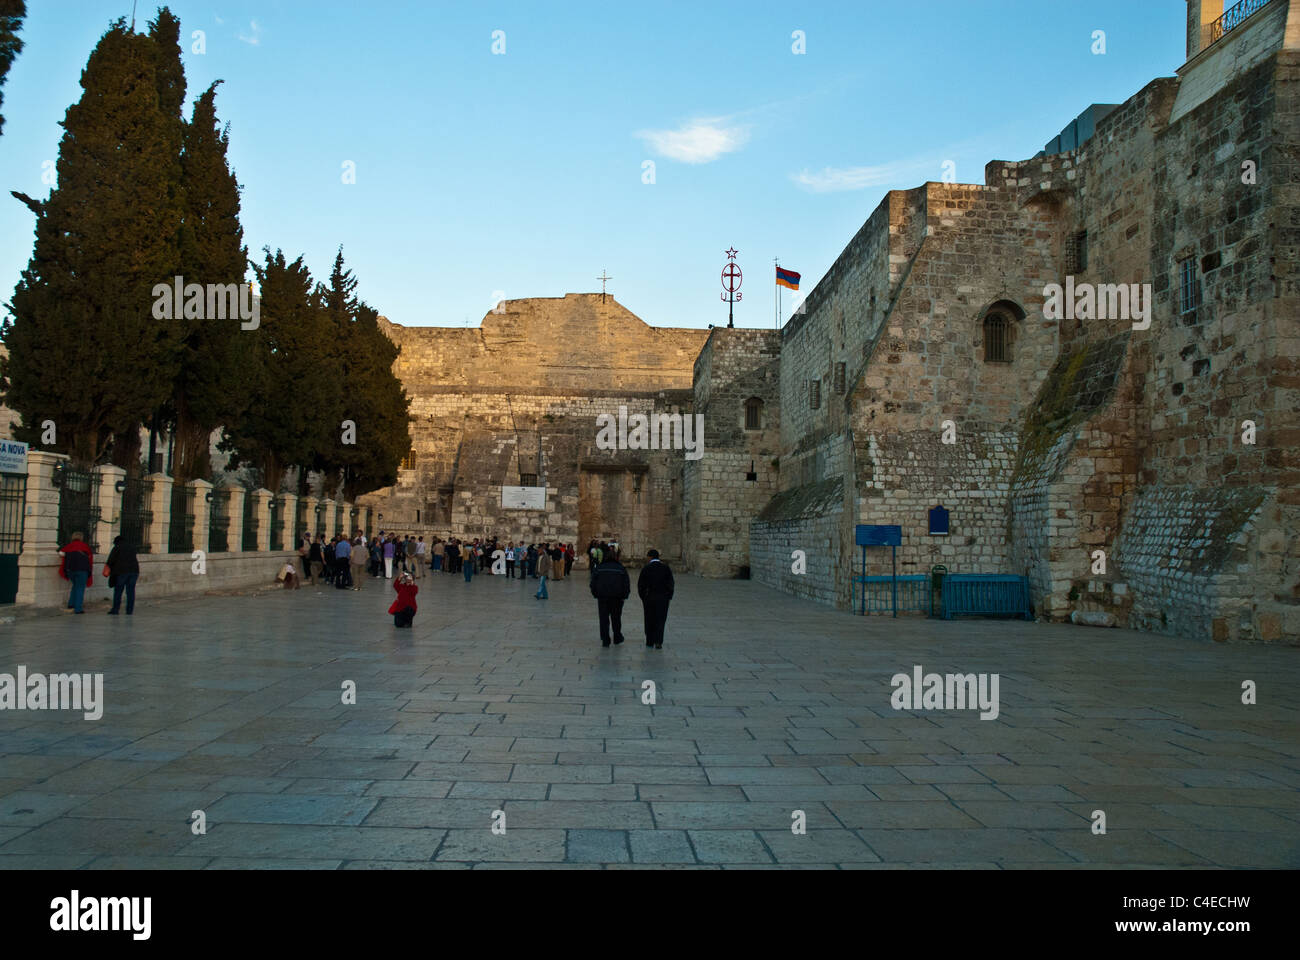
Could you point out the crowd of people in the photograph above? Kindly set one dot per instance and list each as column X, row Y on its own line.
column 345, row 562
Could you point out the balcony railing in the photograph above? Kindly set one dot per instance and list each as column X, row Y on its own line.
column 1235, row 17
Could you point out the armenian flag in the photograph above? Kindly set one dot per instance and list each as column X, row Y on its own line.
column 787, row 278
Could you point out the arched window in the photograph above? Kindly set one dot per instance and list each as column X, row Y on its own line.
column 753, row 414
column 997, row 338
column 1001, row 321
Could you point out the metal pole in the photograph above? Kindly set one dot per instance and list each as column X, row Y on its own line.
column 893, row 559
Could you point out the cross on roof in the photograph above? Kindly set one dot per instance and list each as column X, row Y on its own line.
column 602, row 278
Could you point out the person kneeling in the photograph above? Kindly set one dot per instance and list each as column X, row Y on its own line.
column 403, row 608
column 288, row 576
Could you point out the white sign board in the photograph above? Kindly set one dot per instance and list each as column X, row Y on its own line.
column 13, row 457
column 523, row 498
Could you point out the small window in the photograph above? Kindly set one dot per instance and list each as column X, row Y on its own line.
column 527, row 479
column 814, row 394
column 1189, row 286
column 408, row 461
column 997, row 338
column 1076, row 253
column 839, row 377
column 753, row 414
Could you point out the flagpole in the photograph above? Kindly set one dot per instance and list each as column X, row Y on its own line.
column 776, row 321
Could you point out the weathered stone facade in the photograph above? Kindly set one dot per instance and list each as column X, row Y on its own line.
column 519, row 395
column 1077, row 436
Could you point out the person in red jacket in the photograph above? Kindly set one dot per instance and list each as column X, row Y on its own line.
column 403, row 608
column 76, row 566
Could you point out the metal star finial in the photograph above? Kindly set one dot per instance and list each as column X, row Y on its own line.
column 731, row 253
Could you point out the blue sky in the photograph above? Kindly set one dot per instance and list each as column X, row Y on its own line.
column 482, row 174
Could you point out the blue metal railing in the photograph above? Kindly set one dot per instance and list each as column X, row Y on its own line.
column 878, row 594
column 985, row 595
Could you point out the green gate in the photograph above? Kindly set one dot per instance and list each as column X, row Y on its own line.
column 137, row 518
column 13, row 498
column 218, row 523
column 78, row 504
column 180, row 537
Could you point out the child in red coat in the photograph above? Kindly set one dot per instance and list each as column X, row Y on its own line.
column 403, row 608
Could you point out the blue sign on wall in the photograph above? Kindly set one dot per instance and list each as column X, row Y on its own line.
column 938, row 522
column 890, row 535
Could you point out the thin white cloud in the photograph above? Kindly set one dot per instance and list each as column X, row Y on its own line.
column 698, row 141
column 254, row 36
column 836, row 179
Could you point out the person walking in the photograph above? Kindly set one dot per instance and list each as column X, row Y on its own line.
column 316, row 559
column 409, row 560
column 568, row 558
column 557, row 562
column 467, row 564
column 610, row 585
column 342, row 564
column 439, row 548
column 453, row 555
column 359, row 559
column 123, row 569
column 420, row 548
column 510, row 560
column 75, row 566
column 389, row 548
column 376, row 559
column 327, row 553
column 304, row 554
column 532, row 561
column 544, row 567
column 655, row 588
column 404, row 608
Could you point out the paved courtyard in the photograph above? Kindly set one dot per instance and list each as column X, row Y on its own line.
column 765, row 706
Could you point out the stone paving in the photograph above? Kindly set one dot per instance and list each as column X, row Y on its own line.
column 766, row 705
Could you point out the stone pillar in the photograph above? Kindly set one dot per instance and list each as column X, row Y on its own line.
column 262, row 504
column 198, row 491
column 160, row 504
column 307, row 507
column 110, row 509
column 234, row 495
column 38, row 564
column 1200, row 14
column 287, row 516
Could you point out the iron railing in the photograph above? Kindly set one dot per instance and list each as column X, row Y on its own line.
column 277, row 524
column 985, row 595
column 249, row 539
column 136, row 516
column 878, row 594
column 78, row 504
column 1234, row 17
column 180, row 536
column 219, row 523
column 13, row 500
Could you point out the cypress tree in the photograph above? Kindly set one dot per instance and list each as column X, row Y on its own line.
column 288, row 379
column 84, row 347
column 12, row 13
column 212, row 384
column 370, row 394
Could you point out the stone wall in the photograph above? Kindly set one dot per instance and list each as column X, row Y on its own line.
column 521, row 395
column 739, row 472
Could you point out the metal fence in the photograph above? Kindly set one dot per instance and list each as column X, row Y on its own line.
column 879, row 594
column 78, row 504
column 249, row 539
column 985, row 595
column 180, row 537
column 277, row 524
column 219, row 523
column 136, row 517
column 13, row 497
column 1234, row 17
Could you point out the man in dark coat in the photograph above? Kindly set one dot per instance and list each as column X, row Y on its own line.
column 123, row 568
column 610, row 585
column 655, row 588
